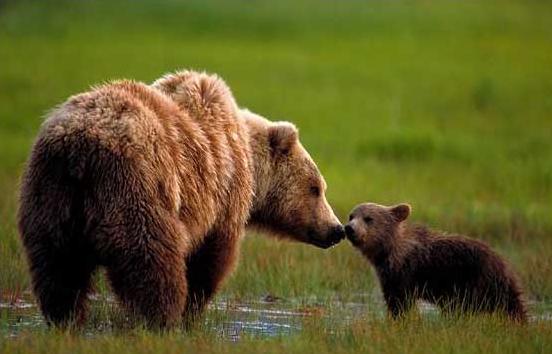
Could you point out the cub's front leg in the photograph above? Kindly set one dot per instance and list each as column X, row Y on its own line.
column 399, row 301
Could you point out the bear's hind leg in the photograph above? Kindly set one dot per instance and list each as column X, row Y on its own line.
column 146, row 274
column 142, row 243
column 151, row 286
column 61, row 283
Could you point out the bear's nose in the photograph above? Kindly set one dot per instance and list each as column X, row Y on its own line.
column 339, row 232
column 349, row 230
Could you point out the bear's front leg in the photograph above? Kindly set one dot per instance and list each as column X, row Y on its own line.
column 399, row 302
column 207, row 268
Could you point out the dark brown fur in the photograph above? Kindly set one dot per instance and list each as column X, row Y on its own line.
column 455, row 273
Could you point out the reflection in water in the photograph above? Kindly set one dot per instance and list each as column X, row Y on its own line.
column 232, row 320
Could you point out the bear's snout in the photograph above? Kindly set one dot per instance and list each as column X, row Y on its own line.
column 337, row 234
column 332, row 237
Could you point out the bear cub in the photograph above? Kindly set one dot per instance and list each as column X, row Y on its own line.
column 456, row 273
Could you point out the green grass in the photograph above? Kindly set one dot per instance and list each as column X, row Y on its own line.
column 444, row 104
column 415, row 336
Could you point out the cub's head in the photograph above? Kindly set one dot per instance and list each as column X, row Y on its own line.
column 290, row 192
column 372, row 227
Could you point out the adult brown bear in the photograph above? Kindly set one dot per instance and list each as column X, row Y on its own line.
column 157, row 183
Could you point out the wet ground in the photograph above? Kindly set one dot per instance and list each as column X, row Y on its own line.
column 231, row 320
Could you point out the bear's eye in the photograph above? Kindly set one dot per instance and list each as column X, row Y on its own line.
column 351, row 217
column 368, row 219
column 315, row 191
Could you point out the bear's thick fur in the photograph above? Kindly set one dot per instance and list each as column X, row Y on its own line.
column 412, row 262
column 156, row 183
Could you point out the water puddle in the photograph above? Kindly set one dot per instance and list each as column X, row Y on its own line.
column 263, row 318
column 231, row 320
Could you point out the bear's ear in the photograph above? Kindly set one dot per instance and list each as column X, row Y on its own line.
column 401, row 211
column 282, row 136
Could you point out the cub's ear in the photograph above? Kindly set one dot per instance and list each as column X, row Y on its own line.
column 282, row 136
column 401, row 211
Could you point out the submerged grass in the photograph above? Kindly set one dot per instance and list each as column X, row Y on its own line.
column 442, row 104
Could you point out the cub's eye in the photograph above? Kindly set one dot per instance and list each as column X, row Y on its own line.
column 368, row 219
column 315, row 191
column 350, row 217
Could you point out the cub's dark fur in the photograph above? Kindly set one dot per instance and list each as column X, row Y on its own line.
column 412, row 262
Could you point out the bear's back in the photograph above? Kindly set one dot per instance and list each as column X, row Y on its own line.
column 174, row 154
column 124, row 117
column 448, row 266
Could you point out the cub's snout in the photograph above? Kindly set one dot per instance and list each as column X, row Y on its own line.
column 351, row 233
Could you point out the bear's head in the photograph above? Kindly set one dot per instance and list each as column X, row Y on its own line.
column 373, row 228
column 289, row 189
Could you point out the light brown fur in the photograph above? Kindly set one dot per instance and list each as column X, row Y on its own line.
column 285, row 165
column 157, row 184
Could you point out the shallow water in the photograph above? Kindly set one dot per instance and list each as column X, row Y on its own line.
column 284, row 317
column 232, row 320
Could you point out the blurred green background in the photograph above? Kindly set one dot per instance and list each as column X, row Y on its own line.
column 444, row 104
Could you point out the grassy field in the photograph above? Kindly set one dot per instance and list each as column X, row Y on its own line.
column 444, row 104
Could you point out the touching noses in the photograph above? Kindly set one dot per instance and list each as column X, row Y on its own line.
column 349, row 230
column 338, row 233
